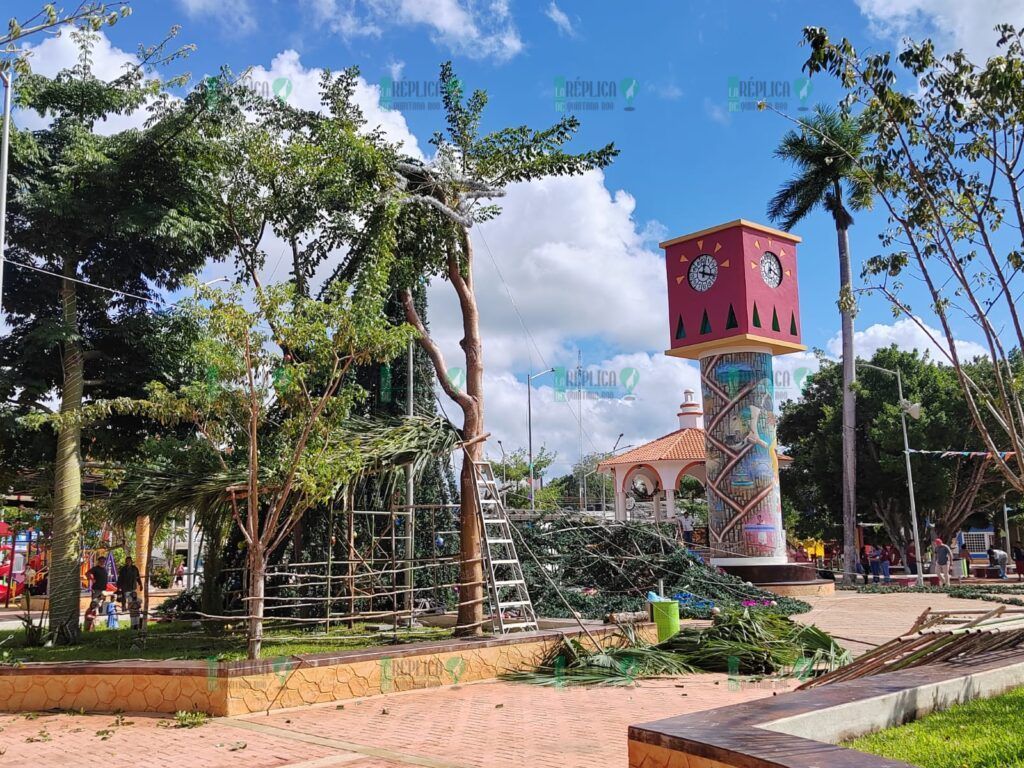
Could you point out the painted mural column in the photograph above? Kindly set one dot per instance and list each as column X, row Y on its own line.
column 733, row 306
column 744, row 503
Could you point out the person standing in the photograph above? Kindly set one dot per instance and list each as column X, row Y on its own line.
column 911, row 558
column 98, row 576
column 875, row 561
column 179, row 573
column 886, row 557
column 112, row 621
column 128, row 580
column 943, row 561
column 686, row 526
column 1018, row 559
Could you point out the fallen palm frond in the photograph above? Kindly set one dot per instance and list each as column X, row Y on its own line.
column 739, row 642
column 936, row 637
column 574, row 664
column 754, row 643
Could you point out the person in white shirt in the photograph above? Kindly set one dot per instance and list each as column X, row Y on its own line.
column 686, row 526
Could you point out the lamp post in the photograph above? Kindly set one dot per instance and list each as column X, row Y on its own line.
column 7, row 78
column 504, row 472
column 503, row 464
column 529, row 426
column 914, row 409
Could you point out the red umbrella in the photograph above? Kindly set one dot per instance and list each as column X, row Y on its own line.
column 5, row 529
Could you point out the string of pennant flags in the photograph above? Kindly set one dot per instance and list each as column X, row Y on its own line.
column 966, row 454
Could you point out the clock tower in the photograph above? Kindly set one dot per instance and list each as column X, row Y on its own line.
column 733, row 305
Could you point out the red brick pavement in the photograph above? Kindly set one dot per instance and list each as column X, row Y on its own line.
column 498, row 724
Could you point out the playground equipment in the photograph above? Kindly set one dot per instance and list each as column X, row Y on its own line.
column 23, row 559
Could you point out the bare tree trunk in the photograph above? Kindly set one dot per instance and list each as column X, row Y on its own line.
column 254, row 608
column 849, row 437
column 460, row 275
column 64, row 584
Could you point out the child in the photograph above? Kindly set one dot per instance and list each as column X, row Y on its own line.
column 134, row 610
column 112, row 620
column 90, row 616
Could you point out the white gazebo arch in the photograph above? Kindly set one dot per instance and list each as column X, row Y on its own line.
column 662, row 462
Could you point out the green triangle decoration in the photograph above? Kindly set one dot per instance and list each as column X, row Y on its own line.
column 792, row 324
column 705, row 324
column 731, row 321
column 680, row 330
column 757, row 318
column 775, row 321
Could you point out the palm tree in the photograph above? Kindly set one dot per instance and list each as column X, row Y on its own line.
column 826, row 151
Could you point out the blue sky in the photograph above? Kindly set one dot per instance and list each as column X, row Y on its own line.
column 580, row 257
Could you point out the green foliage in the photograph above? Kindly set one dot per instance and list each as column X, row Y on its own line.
column 49, row 19
column 943, row 158
column 757, row 642
column 602, row 568
column 826, row 149
column 190, row 719
column 182, row 606
column 576, row 662
column 160, row 577
column 737, row 642
column 984, row 733
column 949, row 490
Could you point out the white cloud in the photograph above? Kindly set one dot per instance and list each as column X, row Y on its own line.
column 477, row 30
column 561, row 19
column 305, row 93
column 951, row 24
column 716, row 112
column 234, row 16
column 905, row 334
column 395, row 69
column 61, row 52
column 578, row 267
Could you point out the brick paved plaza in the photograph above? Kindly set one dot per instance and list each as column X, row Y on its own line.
column 446, row 727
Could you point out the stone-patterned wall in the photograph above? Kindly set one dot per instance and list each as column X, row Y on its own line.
column 107, row 692
column 238, row 688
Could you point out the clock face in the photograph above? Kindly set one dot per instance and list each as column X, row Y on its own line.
column 703, row 272
column 771, row 269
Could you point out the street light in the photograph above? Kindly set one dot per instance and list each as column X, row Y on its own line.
column 503, row 463
column 7, row 79
column 529, row 426
column 504, row 479
column 914, row 410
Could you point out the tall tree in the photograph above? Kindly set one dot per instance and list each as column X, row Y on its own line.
column 825, row 150
column 948, row 490
column 445, row 198
column 133, row 211
column 945, row 160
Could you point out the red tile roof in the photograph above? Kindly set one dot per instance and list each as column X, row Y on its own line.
column 681, row 445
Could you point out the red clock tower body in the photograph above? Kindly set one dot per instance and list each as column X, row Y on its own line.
column 733, row 305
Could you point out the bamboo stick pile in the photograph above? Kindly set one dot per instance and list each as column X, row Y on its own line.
column 936, row 636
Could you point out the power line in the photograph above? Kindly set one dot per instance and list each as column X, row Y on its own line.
column 578, row 416
column 149, row 299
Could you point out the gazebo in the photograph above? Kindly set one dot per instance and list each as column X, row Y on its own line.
column 662, row 463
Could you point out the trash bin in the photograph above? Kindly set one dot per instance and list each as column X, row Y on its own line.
column 666, row 618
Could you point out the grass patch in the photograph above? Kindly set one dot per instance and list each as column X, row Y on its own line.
column 984, row 733
column 179, row 640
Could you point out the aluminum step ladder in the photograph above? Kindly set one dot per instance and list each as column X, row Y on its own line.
column 510, row 604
